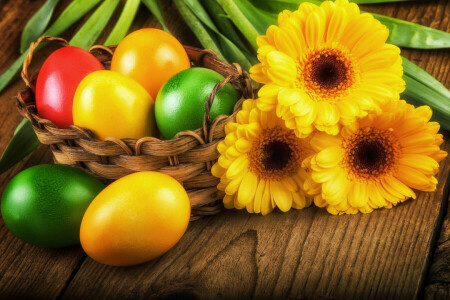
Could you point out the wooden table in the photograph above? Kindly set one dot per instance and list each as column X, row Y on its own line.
column 403, row 252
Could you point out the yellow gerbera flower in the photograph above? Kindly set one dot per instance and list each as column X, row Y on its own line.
column 260, row 163
column 325, row 66
column 376, row 161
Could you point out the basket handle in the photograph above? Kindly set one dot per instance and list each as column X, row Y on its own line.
column 33, row 47
column 247, row 92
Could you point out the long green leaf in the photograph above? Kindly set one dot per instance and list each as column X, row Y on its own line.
column 222, row 22
column 91, row 30
column 424, row 89
column 155, row 7
column 231, row 52
column 23, row 142
column 246, row 26
column 422, row 76
column 377, row 1
column 73, row 12
column 122, row 26
column 205, row 37
column 418, row 94
column 37, row 24
column 411, row 35
column 401, row 33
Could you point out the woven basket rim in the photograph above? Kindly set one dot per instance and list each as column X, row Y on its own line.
column 31, row 108
column 188, row 157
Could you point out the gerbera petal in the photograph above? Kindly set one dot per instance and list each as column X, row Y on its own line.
column 257, row 74
column 358, row 194
column 314, row 28
column 247, row 188
column 282, row 69
column 423, row 163
column 266, row 202
column 282, row 197
column 237, row 167
column 228, row 201
column 298, row 200
column 337, row 24
column 413, row 178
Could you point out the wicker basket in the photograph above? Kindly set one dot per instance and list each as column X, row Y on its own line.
column 188, row 157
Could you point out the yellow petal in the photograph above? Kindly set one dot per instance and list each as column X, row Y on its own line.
column 266, row 202
column 329, row 157
column 217, row 170
column 314, row 29
column 233, row 186
column 320, row 141
column 400, row 187
column 243, row 145
column 358, row 194
column 237, row 167
column 414, row 178
column 282, row 198
column 247, row 188
column 298, row 200
column 337, row 25
column 228, row 201
column 257, row 74
column 423, row 163
column 257, row 202
column 282, row 68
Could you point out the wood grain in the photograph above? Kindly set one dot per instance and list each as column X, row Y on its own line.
column 301, row 254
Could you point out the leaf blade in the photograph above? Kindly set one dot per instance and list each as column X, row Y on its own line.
column 37, row 24
column 91, row 30
column 205, row 37
column 231, row 52
column 122, row 26
column 72, row 13
column 155, row 7
column 23, row 142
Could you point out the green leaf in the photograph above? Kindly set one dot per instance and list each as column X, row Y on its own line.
column 37, row 24
column 411, row 35
column 73, row 12
column 122, row 26
column 424, row 89
column 231, row 52
column 91, row 30
column 206, row 37
column 240, row 18
column 377, row 1
column 222, row 22
column 155, row 7
column 23, row 142
column 401, row 33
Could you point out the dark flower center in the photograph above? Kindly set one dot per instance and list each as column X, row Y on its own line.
column 328, row 72
column 371, row 153
column 275, row 154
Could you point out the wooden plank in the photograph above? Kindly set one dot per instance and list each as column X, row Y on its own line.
column 299, row 254
column 235, row 255
column 25, row 271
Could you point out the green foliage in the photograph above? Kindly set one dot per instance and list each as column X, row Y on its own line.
column 37, row 24
column 23, row 142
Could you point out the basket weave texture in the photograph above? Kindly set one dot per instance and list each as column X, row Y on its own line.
column 188, row 157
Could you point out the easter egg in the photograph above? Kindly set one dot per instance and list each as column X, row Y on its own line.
column 180, row 104
column 57, row 81
column 111, row 104
column 44, row 205
column 135, row 219
column 150, row 56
